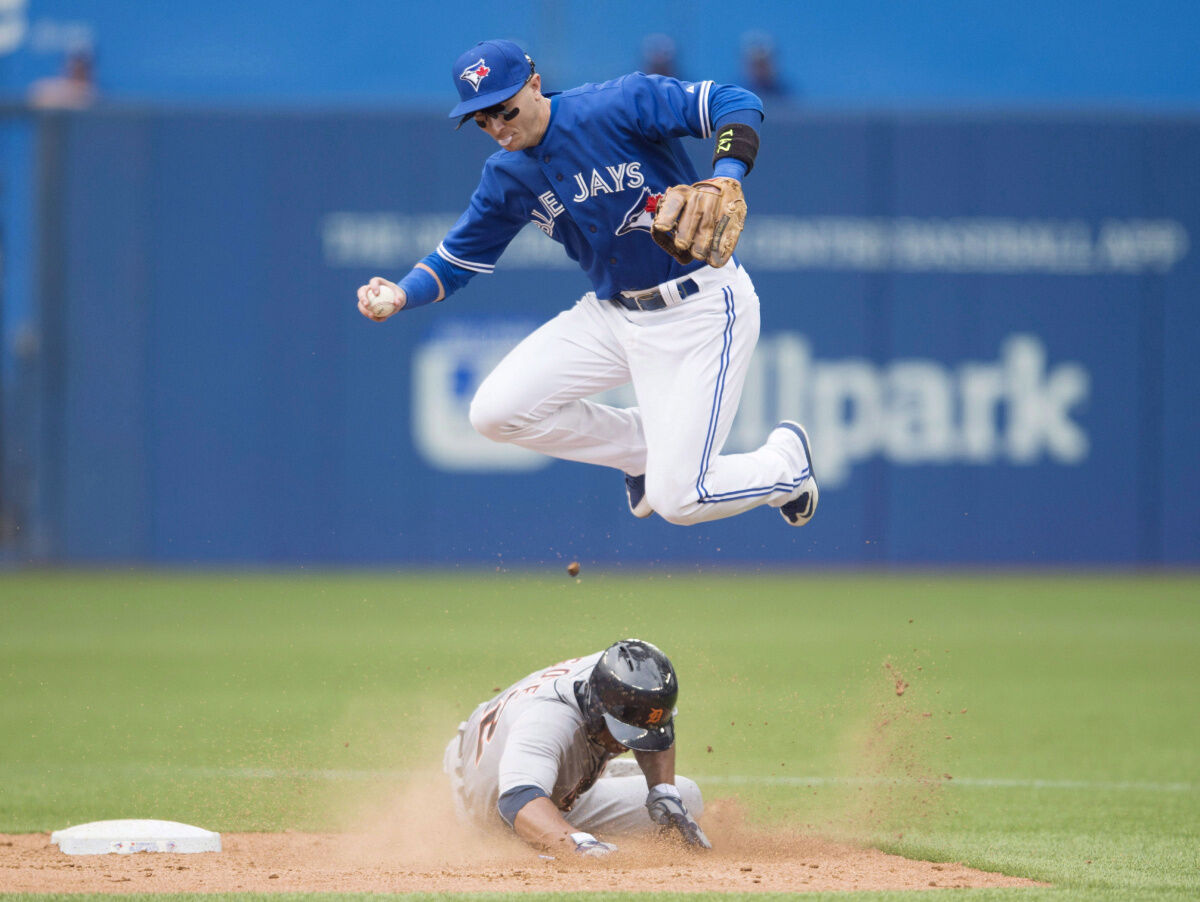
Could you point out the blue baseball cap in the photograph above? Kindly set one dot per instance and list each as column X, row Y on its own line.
column 489, row 73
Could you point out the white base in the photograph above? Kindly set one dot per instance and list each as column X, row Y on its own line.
column 127, row 836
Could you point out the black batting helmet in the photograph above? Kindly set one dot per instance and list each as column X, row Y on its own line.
column 634, row 687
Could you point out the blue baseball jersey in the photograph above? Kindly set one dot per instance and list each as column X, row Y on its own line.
column 609, row 148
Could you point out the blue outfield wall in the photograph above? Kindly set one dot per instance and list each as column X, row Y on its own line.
column 988, row 323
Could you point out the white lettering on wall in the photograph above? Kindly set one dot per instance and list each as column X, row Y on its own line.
column 774, row 243
column 1018, row 409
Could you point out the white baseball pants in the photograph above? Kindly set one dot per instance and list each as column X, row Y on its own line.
column 687, row 364
column 617, row 805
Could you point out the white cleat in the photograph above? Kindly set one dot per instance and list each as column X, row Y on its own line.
column 798, row 509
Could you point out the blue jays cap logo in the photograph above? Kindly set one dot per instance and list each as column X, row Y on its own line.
column 499, row 70
column 475, row 73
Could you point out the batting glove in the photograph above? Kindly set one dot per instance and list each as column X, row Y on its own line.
column 667, row 809
column 586, row 844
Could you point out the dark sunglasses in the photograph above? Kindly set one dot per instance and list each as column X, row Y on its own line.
column 495, row 110
column 492, row 112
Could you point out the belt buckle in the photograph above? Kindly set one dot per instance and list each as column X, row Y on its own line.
column 639, row 296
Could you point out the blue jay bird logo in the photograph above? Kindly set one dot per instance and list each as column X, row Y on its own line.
column 476, row 73
column 641, row 214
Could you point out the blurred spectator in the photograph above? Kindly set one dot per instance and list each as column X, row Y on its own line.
column 658, row 55
column 75, row 89
column 761, row 66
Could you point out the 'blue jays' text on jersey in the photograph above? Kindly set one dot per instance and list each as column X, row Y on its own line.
column 607, row 150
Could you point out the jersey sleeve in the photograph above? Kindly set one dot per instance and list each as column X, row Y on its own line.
column 476, row 241
column 665, row 107
column 729, row 103
column 535, row 750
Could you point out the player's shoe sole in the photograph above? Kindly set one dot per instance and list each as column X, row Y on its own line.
column 800, row 509
column 635, row 491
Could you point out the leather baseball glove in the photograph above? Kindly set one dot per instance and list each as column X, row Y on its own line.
column 701, row 221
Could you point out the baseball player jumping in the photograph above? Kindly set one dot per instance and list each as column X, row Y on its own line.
column 537, row 756
column 601, row 170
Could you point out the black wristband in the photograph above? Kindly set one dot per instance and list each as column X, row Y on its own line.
column 739, row 141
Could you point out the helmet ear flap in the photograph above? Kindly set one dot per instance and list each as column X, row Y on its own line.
column 589, row 704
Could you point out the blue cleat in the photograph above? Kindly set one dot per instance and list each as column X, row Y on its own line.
column 799, row 509
column 635, row 491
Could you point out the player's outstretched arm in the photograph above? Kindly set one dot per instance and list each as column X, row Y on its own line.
column 541, row 824
column 659, row 767
column 664, row 803
column 704, row 221
column 380, row 299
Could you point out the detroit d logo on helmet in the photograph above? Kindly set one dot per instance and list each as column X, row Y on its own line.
column 476, row 73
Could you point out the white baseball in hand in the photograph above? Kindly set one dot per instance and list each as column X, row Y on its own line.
column 382, row 301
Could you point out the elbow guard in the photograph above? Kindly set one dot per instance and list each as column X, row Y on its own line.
column 739, row 141
column 515, row 799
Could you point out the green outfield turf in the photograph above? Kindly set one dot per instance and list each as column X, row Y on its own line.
column 1043, row 726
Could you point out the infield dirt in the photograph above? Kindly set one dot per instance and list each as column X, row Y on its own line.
column 435, row 857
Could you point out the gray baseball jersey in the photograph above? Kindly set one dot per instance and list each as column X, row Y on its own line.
column 531, row 734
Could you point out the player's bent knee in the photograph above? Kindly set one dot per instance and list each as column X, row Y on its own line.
column 493, row 415
column 674, row 517
column 675, row 504
column 690, row 793
column 490, row 419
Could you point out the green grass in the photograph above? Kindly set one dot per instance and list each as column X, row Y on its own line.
column 1048, row 725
